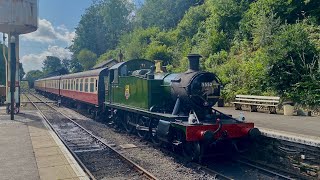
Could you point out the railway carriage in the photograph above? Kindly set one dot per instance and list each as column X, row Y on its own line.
column 2, row 94
column 84, row 89
column 87, row 87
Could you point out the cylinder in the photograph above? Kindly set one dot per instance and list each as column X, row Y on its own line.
column 194, row 62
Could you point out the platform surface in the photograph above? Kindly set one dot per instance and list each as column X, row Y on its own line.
column 31, row 151
column 277, row 125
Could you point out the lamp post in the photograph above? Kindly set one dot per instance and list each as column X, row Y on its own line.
column 12, row 74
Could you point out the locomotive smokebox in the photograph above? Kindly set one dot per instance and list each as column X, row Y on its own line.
column 194, row 62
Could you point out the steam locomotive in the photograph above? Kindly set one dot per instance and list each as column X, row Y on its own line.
column 170, row 108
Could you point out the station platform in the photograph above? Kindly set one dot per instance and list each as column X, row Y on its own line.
column 299, row 129
column 30, row 150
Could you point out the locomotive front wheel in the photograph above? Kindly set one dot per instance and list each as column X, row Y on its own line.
column 192, row 151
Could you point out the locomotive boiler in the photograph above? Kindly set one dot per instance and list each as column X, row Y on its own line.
column 197, row 90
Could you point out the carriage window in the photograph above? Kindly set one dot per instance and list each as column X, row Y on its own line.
column 91, row 84
column 72, row 82
column 77, row 85
column 67, row 84
column 81, row 84
column 86, row 85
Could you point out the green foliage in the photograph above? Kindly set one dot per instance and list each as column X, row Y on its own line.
column 87, row 58
column 21, row 71
column 190, row 23
column 32, row 76
column 156, row 51
column 102, row 25
column 112, row 54
column 75, row 66
column 51, row 64
column 164, row 14
column 134, row 44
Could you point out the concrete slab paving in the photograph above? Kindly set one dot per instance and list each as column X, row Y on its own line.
column 49, row 151
column 51, row 160
column 30, row 150
column 57, row 172
column 17, row 160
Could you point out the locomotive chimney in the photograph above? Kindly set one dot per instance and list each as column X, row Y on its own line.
column 194, row 62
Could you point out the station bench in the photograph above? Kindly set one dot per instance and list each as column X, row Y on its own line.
column 271, row 102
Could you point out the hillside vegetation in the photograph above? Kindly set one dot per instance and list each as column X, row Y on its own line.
column 261, row 47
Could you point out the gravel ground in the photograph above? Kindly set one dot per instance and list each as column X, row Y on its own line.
column 158, row 163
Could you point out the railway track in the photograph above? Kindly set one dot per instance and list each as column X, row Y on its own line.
column 98, row 159
column 261, row 170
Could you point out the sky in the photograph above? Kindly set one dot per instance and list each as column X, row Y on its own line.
column 56, row 29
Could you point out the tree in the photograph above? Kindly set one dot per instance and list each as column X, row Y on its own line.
column 102, row 25
column 32, row 76
column 22, row 73
column 66, row 64
column 164, row 14
column 51, row 64
column 75, row 66
column 87, row 59
column 295, row 63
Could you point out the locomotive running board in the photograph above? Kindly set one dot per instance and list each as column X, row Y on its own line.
column 144, row 112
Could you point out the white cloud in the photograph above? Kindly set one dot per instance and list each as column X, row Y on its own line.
column 34, row 61
column 47, row 33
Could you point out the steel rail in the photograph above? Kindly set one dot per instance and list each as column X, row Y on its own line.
column 296, row 175
column 212, row 172
column 215, row 173
column 135, row 165
column 66, row 145
column 265, row 170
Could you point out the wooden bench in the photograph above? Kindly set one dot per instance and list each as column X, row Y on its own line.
column 255, row 101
